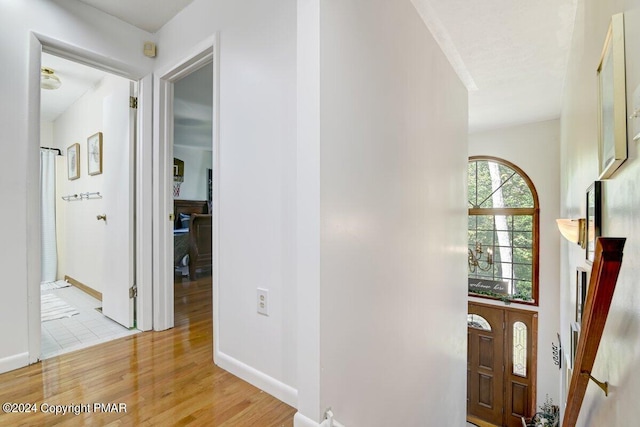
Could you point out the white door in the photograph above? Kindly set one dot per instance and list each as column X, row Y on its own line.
column 118, row 122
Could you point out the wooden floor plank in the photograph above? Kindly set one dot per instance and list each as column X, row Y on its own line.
column 164, row 378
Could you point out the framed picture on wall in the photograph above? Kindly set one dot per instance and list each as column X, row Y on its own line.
column 581, row 292
column 593, row 214
column 73, row 161
column 575, row 335
column 94, row 154
column 612, row 104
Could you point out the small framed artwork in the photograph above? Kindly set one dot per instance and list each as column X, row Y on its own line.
column 94, row 154
column 581, row 292
column 612, row 111
column 593, row 218
column 73, row 161
column 575, row 336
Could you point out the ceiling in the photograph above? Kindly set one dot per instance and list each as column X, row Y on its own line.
column 149, row 15
column 511, row 54
column 76, row 80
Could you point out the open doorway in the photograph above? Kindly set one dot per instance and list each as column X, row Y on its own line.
column 192, row 190
column 87, row 182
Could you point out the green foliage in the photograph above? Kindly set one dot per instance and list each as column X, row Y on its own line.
column 485, row 229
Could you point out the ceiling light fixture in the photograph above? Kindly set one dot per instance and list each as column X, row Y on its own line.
column 48, row 80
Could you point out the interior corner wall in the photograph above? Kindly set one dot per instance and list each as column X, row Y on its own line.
column 393, row 161
column 73, row 24
column 257, row 178
column 618, row 357
column 196, row 162
column 535, row 148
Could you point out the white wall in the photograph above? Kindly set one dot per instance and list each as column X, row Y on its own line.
column 196, row 162
column 81, row 238
column 46, row 134
column 535, row 148
column 257, row 73
column 618, row 359
column 74, row 24
column 393, row 159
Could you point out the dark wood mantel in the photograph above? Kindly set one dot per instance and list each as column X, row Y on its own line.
column 604, row 275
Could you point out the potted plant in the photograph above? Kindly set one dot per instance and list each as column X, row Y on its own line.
column 549, row 415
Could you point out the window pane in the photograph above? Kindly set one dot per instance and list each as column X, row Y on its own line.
column 523, row 239
column 523, row 255
column 509, row 238
column 478, row 322
column 520, row 349
column 516, row 193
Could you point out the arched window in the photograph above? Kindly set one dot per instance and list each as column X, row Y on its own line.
column 502, row 232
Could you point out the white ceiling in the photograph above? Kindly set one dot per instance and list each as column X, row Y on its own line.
column 511, row 54
column 149, row 15
column 76, row 80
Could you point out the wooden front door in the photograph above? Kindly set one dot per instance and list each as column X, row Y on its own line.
column 485, row 362
column 501, row 364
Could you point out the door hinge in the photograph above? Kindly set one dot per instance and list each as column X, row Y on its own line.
column 133, row 292
column 133, row 102
column 172, row 217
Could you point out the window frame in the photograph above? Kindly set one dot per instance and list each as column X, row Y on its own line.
column 534, row 212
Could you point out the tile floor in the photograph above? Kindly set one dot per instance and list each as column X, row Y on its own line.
column 85, row 329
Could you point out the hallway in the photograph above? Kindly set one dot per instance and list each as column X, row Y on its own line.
column 163, row 378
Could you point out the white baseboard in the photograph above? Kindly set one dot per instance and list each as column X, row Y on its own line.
column 14, row 362
column 300, row 420
column 277, row 389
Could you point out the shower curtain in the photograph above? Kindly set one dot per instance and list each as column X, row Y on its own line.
column 49, row 256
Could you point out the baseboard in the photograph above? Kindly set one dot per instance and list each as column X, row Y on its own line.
column 97, row 295
column 277, row 389
column 14, row 362
column 300, row 420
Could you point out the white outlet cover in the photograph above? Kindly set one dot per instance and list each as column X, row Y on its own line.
column 263, row 301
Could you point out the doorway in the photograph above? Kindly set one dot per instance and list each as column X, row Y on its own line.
column 166, row 170
column 501, row 364
column 88, row 230
column 192, row 190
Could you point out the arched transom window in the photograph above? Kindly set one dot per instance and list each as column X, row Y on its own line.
column 502, row 232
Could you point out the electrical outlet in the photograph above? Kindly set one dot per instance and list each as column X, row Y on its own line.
column 263, row 301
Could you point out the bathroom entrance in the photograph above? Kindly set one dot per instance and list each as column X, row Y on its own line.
column 87, row 176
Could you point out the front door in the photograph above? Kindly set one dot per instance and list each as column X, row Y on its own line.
column 501, row 364
column 485, row 363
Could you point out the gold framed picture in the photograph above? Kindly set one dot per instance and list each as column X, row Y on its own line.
column 73, row 161
column 94, row 154
column 612, row 111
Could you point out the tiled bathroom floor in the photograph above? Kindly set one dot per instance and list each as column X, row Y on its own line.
column 85, row 329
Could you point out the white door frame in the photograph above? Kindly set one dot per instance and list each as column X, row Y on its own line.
column 37, row 44
column 202, row 54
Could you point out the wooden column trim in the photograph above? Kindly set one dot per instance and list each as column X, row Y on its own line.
column 604, row 275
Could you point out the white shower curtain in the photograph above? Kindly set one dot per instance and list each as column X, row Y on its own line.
column 49, row 263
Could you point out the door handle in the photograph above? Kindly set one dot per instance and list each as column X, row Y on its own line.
column 102, row 217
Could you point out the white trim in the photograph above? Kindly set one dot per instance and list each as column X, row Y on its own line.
column 32, row 172
column 202, row 54
column 14, row 362
column 215, row 291
column 308, row 221
column 300, row 420
column 277, row 389
column 144, row 205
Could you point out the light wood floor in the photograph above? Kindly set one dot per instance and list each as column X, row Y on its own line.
column 164, row 378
